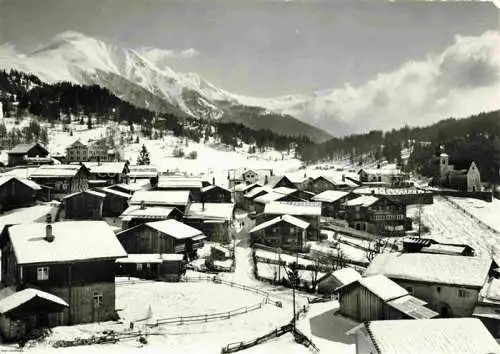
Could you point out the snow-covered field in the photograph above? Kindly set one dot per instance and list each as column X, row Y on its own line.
column 489, row 213
column 448, row 223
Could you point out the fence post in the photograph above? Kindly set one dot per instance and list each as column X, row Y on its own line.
column 206, row 317
column 181, row 319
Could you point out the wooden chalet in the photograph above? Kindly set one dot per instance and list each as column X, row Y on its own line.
column 140, row 214
column 214, row 219
column 377, row 215
column 277, row 181
column 72, row 260
column 17, row 192
column 175, row 199
column 85, row 205
column 179, row 183
column 436, row 336
column 387, row 175
column 165, row 236
column 415, row 244
column 310, row 212
column 22, row 154
column 107, row 173
column 215, row 194
column 332, row 202
column 165, row 266
column 450, row 284
column 60, row 180
column 336, row 279
column 379, row 298
column 324, row 183
column 239, row 192
column 249, row 197
column 284, row 231
column 115, row 202
column 279, row 194
column 248, row 176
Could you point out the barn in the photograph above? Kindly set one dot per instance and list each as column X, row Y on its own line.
column 85, row 205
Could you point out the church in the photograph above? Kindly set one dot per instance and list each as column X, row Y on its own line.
column 461, row 175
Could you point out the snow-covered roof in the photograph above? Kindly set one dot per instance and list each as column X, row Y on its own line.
column 47, row 171
column 286, row 218
column 24, row 148
column 242, row 187
column 133, row 186
column 251, row 194
column 149, row 212
column 106, row 167
column 383, row 287
column 16, row 299
column 175, row 229
column 115, row 192
column 31, row 184
column 293, row 208
column 346, row 275
column 332, row 180
column 490, row 291
column 274, row 194
column 444, row 249
column 88, row 191
column 382, row 171
column 73, row 241
column 329, row 196
column 220, row 211
column 432, row 336
column 179, row 182
column 150, row 258
column 26, row 215
column 210, row 187
column 433, row 268
column 161, row 197
column 364, row 201
column 487, row 311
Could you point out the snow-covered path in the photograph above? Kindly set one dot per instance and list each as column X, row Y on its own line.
column 449, row 223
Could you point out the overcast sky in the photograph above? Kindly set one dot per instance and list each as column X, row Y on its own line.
column 260, row 48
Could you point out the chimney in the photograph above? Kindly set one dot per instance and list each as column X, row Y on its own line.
column 266, row 179
column 49, row 236
column 213, row 181
column 378, row 166
column 271, row 172
column 142, row 205
column 203, row 205
column 48, row 218
column 343, row 178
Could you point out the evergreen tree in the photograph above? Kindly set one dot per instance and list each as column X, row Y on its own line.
column 89, row 123
column 143, row 158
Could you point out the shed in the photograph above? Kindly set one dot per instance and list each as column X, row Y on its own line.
column 19, row 154
column 85, row 205
column 215, row 194
column 16, row 192
column 166, row 266
column 115, row 202
column 336, row 279
column 214, row 219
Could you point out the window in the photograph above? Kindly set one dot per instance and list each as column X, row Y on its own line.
column 139, row 266
column 409, row 289
column 42, row 273
column 438, row 289
column 463, row 293
column 97, row 299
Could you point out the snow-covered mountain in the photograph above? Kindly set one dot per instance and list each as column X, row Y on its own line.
column 134, row 76
column 460, row 81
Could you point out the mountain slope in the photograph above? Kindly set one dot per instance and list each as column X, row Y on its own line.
column 133, row 77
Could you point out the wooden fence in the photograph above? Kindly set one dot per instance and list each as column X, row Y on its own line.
column 237, row 346
column 180, row 320
column 472, row 216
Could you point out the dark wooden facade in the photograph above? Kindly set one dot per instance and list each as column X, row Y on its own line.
column 215, row 194
column 61, row 185
column 321, row 184
column 115, row 203
column 170, row 270
column 283, row 235
column 15, row 194
column 86, row 205
column 17, row 156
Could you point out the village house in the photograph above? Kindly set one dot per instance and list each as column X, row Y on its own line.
column 72, row 260
column 61, row 179
column 31, row 214
column 377, row 215
column 215, row 194
column 142, row 172
column 107, row 173
column 414, row 244
column 276, row 182
column 98, row 150
column 166, row 266
column 488, row 306
column 386, row 175
column 214, row 219
column 248, row 176
column 275, row 195
column 249, row 197
column 379, row 298
column 17, row 192
column 284, row 231
column 461, row 175
column 324, row 183
column 336, row 279
column 450, row 284
column 310, row 212
column 140, row 214
column 176, row 199
column 179, row 183
column 332, row 202
column 132, row 187
column 25, row 154
column 436, row 336
column 84, row 205
column 160, row 237
column 77, row 152
column 300, row 181
column 115, row 202
column 240, row 190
